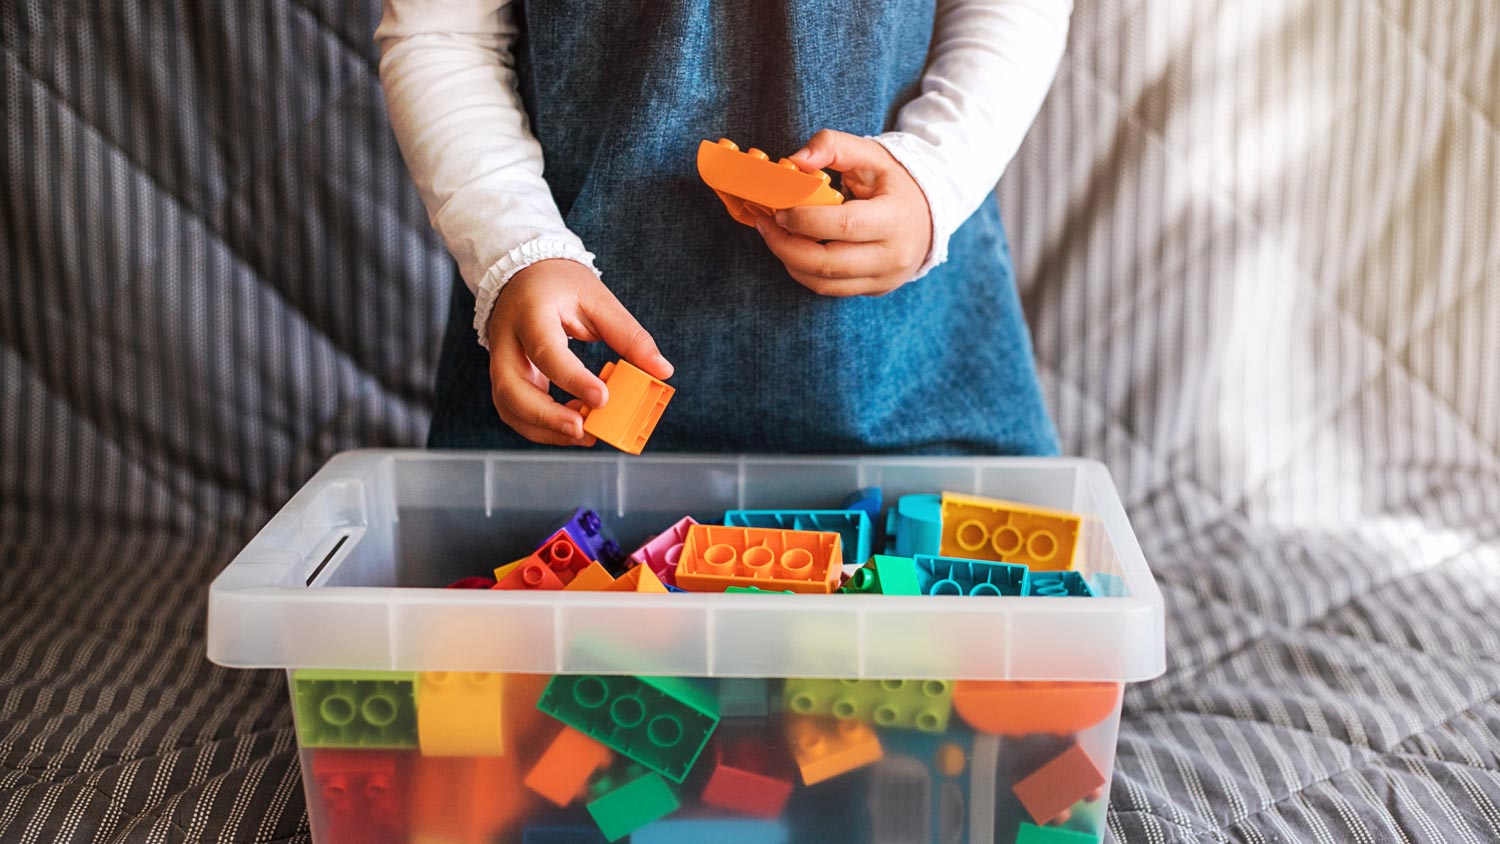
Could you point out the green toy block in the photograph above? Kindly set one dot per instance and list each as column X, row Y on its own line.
column 913, row 704
column 621, row 810
column 885, row 575
column 372, row 709
column 1033, row 834
column 661, row 722
column 745, row 590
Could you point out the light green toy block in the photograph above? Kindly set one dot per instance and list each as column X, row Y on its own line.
column 337, row 708
column 911, row 704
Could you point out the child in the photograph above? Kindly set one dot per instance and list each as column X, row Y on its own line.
column 888, row 323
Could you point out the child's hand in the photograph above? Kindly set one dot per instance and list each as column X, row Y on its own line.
column 876, row 241
column 535, row 314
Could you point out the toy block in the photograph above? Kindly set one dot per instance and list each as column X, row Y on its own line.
column 1058, row 584
column 746, row 779
column 1049, row 792
column 338, row 708
column 588, row 530
column 744, row 697
column 712, row 831
column 362, row 793
column 900, row 799
column 622, row 810
column 477, row 582
column 755, row 590
column 852, row 526
column 562, row 835
column 715, row 557
column 561, row 553
column 975, row 578
column 747, row 181
column 594, row 578
column 884, row 575
column 1033, row 834
column 458, row 799
column 638, row 579
column 825, row 747
column 914, row 526
column 661, row 722
column 563, row 771
column 505, row 570
column 460, row 713
column 978, row 528
column 636, row 402
column 870, row 499
column 663, row 551
column 1017, row 708
column 913, row 704
column 531, row 575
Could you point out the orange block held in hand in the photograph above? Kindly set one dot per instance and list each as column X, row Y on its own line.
column 748, row 180
column 636, row 401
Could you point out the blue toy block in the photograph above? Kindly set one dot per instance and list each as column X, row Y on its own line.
column 1058, row 584
column 852, row 526
column 914, row 526
column 869, row 499
column 562, row 835
column 712, row 831
column 744, row 697
column 954, row 576
column 586, row 528
column 671, row 588
column 660, row 722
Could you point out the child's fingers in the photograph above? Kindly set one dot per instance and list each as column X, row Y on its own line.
column 524, row 404
column 808, row 257
column 546, row 344
column 855, row 222
column 839, row 151
column 842, row 287
column 616, row 327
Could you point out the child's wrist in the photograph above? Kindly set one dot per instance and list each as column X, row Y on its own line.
column 517, row 259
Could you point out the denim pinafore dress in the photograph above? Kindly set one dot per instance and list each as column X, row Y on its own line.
column 619, row 95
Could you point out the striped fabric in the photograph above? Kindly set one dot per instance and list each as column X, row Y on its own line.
column 1261, row 251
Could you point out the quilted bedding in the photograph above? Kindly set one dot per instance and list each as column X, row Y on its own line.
column 1258, row 242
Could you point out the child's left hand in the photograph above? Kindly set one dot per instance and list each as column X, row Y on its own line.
column 876, row 241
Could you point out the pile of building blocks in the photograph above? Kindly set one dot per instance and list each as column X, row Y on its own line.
column 421, row 756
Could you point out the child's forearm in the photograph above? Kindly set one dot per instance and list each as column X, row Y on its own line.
column 450, row 88
column 990, row 67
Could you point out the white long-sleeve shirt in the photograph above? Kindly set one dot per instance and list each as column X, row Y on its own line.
column 450, row 88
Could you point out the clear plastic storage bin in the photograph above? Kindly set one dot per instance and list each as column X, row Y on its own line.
column 438, row 715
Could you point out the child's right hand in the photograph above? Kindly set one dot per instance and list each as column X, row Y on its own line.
column 535, row 314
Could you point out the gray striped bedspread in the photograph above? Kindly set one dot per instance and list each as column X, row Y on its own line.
column 1260, row 250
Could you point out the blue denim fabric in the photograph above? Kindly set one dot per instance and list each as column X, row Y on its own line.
column 619, row 95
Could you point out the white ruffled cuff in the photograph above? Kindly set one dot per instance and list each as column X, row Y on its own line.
column 922, row 162
column 512, row 262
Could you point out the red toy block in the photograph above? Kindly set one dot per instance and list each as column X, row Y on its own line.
column 531, row 574
column 564, row 556
column 473, row 583
column 564, row 769
column 362, row 795
column 746, row 779
column 1049, row 792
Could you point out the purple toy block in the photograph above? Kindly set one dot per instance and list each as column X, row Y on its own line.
column 662, row 552
column 587, row 529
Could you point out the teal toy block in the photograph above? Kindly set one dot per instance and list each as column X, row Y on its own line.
column 744, row 697
column 1058, row 584
column 911, row 704
column 712, row 831
column 1030, row 833
column 884, row 575
column 954, row 576
column 750, row 590
column 870, row 499
column 661, row 722
column 372, row 709
column 915, row 525
column 622, row 809
column 852, row 526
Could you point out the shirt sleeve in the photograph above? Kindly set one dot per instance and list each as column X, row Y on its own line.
column 450, row 87
column 988, row 72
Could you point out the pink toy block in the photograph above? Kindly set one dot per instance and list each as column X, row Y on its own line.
column 663, row 551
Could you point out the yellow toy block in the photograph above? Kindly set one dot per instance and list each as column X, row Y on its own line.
column 509, row 567
column 976, row 528
column 636, row 402
column 594, row 578
column 458, row 713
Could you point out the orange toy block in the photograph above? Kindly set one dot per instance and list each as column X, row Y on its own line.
column 825, row 748
column 564, row 769
column 1049, row 792
column 636, row 402
column 638, row 579
column 1014, row 708
column 459, row 713
column 458, row 800
column 531, row 574
column 715, row 557
column 748, row 180
column 977, row 528
column 595, row 578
